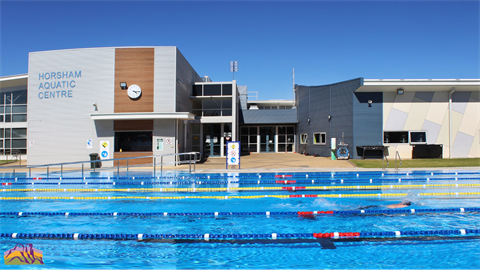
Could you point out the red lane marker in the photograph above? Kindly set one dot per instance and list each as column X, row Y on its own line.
column 283, row 176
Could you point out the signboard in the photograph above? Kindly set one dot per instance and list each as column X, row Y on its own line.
column 233, row 153
column 89, row 144
column 104, row 149
column 159, row 144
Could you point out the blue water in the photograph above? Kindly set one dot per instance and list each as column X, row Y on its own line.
column 416, row 253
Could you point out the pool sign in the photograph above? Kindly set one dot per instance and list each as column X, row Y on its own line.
column 104, row 149
column 233, row 153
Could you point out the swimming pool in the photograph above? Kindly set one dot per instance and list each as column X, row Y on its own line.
column 255, row 221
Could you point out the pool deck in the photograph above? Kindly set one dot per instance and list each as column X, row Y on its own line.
column 266, row 162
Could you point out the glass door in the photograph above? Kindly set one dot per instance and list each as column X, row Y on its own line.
column 211, row 140
column 267, row 139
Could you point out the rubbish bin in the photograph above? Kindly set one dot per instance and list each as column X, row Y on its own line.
column 94, row 156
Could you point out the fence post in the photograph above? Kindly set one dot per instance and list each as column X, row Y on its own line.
column 161, row 165
column 154, row 166
column 61, row 170
column 30, row 172
column 82, row 169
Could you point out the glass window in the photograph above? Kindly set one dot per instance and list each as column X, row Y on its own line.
column 20, row 97
column 227, row 103
column 19, row 109
column 197, row 90
column 253, row 131
column 8, row 131
column 227, row 112
column 1, row 144
column 290, row 130
column 19, row 133
column 1, row 132
column 395, row 137
column 195, row 128
column 211, row 104
column 2, row 108
column 7, row 143
column 8, row 109
column 8, row 97
column 320, row 138
column 136, row 141
column 303, row 138
column 418, row 137
column 19, row 118
column 227, row 89
column 8, row 118
column 19, row 143
column 244, row 130
column 212, row 89
column 2, row 98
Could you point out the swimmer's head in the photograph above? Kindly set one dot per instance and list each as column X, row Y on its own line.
column 407, row 203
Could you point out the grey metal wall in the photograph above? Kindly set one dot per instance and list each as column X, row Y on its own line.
column 317, row 103
column 59, row 126
column 276, row 116
column 186, row 76
column 367, row 120
column 165, row 79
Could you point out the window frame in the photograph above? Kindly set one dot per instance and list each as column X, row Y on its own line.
column 320, row 136
column 303, row 138
column 420, row 131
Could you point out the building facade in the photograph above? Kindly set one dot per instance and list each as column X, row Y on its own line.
column 140, row 101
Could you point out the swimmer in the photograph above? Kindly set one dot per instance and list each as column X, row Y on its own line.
column 400, row 204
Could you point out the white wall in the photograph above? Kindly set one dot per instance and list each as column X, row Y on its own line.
column 59, row 127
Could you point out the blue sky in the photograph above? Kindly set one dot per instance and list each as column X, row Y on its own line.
column 325, row 41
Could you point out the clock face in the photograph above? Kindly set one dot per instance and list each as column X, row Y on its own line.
column 134, row 91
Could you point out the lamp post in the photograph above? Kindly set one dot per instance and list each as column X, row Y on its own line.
column 233, row 67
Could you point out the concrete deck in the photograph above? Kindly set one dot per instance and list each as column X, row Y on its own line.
column 256, row 163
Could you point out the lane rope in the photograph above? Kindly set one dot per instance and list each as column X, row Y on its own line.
column 377, row 195
column 228, row 189
column 266, row 214
column 209, row 182
column 208, row 236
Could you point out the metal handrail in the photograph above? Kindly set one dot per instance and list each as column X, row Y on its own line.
column 197, row 156
column 383, row 162
column 397, row 154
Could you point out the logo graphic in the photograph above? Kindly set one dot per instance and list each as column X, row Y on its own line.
column 233, row 160
column 22, row 255
column 104, row 154
column 104, row 144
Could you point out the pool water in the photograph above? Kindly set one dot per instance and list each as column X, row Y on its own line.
column 415, row 252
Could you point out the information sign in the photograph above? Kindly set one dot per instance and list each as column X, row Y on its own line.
column 233, row 153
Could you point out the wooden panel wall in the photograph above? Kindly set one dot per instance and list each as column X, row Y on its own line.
column 136, row 161
column 126, row 125
column 134, row 66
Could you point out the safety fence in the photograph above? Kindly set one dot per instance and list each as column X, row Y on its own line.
column 374, row 195
column 208, row 236
column 238, row 189
column 226, row 182
column 285, row 213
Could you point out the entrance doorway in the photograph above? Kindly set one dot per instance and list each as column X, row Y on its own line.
column 211, row 139
column 267, row 139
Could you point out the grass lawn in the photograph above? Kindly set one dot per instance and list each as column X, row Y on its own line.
column 419, row 163
column 7, row 161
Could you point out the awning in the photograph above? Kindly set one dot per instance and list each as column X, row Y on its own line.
column 142, row 116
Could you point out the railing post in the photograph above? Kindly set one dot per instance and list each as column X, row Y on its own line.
column 190, row 163
column 13, row 172
column 61, row 170
column 154, row 166
column 161, row 165
column 118, row 167
column 127, row 165
column 94, row 165
column 48, row 171
column 30, row 172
